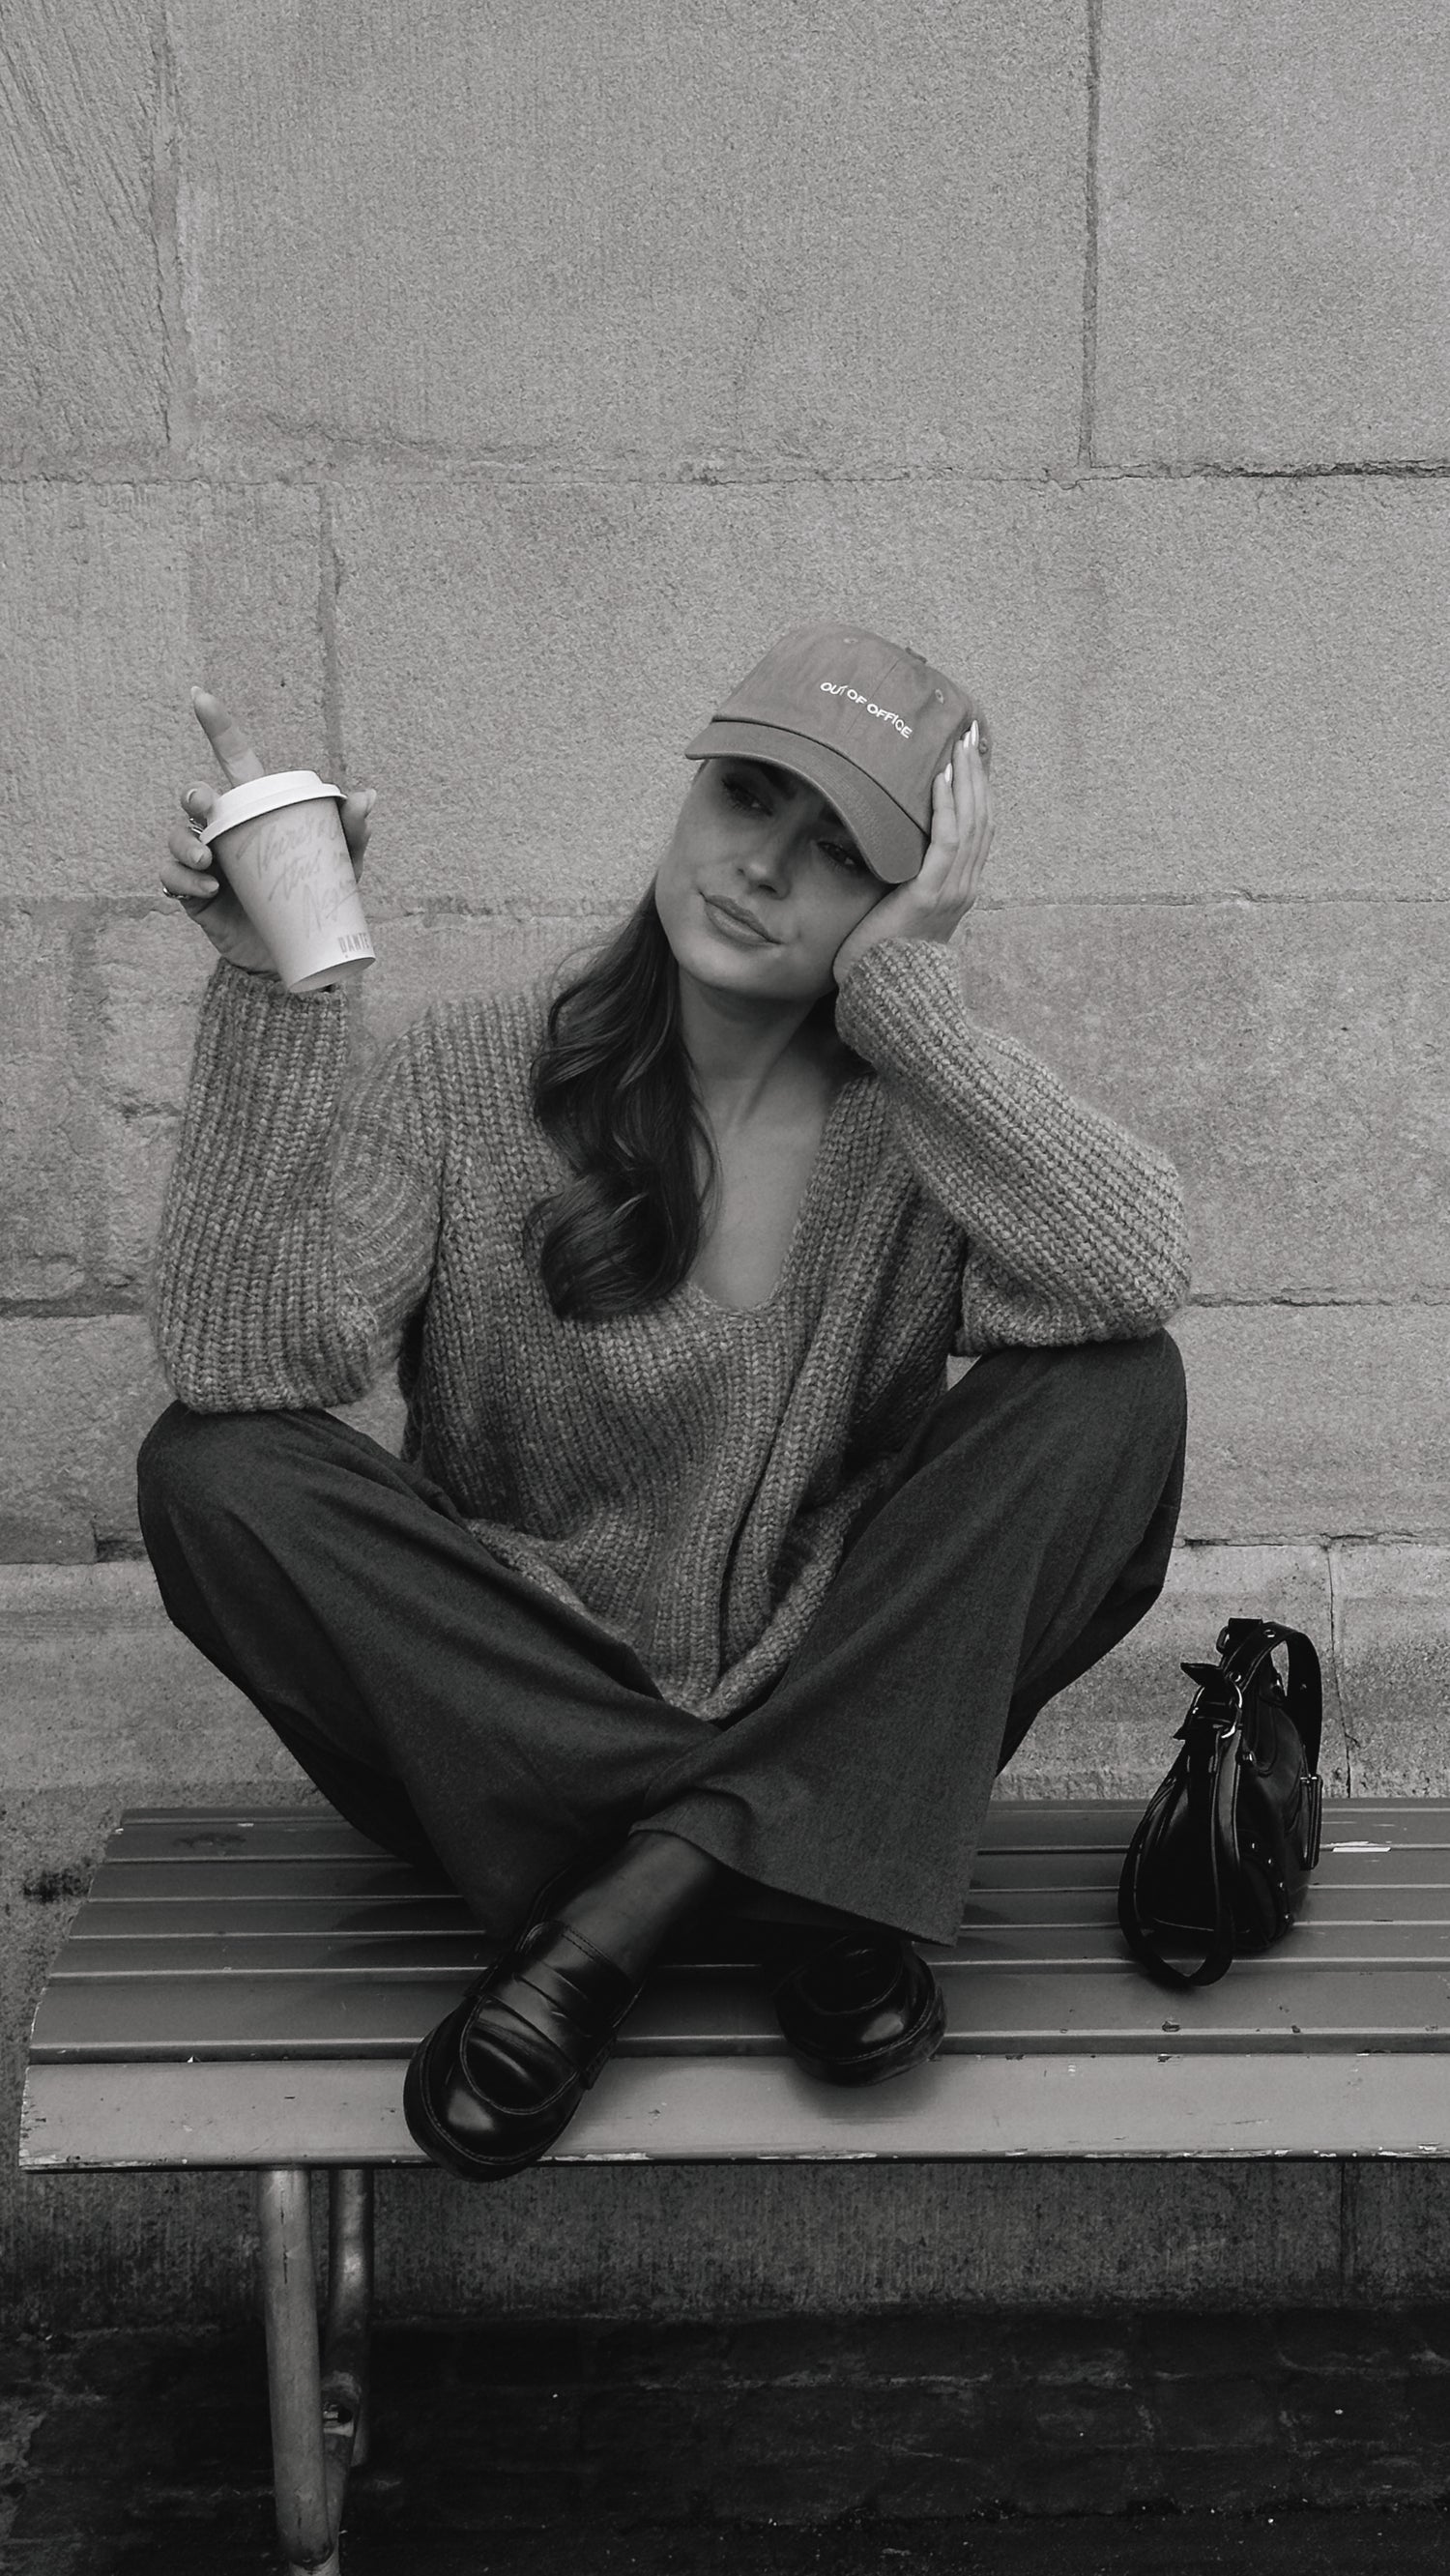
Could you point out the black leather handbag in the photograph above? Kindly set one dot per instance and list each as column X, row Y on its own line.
column 1221, row 1860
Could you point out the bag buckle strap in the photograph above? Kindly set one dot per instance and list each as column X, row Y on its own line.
column 1245, row 1643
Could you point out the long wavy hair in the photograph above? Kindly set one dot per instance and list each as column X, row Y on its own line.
column 614, row 1090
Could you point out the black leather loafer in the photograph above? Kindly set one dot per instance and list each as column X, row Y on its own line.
column 861, row 2008
column 491, row 2088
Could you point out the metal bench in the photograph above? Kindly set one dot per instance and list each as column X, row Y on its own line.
column 244, row 1990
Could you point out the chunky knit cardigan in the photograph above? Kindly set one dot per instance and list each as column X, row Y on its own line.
column 688, row 1474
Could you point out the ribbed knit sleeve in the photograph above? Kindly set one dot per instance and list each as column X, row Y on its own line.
column 1075, row 1229
column 302, row 1212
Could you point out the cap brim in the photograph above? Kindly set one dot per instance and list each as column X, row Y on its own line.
column 892, row 845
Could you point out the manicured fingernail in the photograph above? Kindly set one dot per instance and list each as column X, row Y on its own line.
column 972, row 736
column 947, row 775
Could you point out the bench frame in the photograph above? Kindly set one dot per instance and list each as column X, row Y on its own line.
column 318, row 2387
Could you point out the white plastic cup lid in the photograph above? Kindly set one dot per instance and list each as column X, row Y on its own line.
column 265, row 796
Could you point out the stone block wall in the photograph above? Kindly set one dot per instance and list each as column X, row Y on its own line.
column 467, row 394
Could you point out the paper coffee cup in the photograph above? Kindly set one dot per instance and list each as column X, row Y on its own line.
column 279, row 843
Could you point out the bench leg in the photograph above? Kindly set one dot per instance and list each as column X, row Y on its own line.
column 349, row 2320
column 305, row 2527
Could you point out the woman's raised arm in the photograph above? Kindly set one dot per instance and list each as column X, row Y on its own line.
column 1075, row 1229
column 301, row 1216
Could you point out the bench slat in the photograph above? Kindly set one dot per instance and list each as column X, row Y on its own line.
column 462, row 1949
column 157, row 1833
column 183, row 1918
column 1011, row 1824
column 365, row 1878
column 462, row 1954
column 651, row 2109
column 361, row 1877
column 1027, row 1825
column 1280, row 2003
column 1396, row 1865
column 414, row 1913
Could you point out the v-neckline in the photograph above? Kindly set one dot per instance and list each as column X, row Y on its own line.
column 690, row 1288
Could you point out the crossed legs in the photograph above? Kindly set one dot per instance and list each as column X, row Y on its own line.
column 458, row 1713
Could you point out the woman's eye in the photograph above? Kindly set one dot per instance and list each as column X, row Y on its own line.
column 845, row 857
column 743, row 796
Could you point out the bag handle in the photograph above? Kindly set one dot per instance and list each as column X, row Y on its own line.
column 1222, row 1850
column 1245, row 1643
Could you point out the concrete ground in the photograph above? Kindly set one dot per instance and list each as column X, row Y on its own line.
column 538, row 2453
column 1302, row 2544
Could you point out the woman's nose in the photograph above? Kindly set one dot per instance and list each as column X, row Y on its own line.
column 767, row 863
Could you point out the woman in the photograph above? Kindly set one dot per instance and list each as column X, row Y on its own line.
column 694, row 1592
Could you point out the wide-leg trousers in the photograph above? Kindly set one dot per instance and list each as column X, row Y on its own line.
column 457, row 1713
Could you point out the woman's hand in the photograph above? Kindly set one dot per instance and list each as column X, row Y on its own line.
column 933, row 904
column 188, row 873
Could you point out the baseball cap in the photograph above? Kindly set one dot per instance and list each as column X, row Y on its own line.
column 866, row 723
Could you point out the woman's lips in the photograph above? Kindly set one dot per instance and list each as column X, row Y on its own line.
column 736, row 923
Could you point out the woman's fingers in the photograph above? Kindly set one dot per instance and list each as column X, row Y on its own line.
column 226, row 738
column 356, row 811
column 941, row 848
column 192, row 874
column 961, row 835
column 970, row 773
column 961, row 829
column 974, row 807
column 187, row 869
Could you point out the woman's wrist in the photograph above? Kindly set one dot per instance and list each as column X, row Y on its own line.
column 863, row 939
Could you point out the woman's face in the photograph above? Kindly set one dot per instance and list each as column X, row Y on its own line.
column 761, row 883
